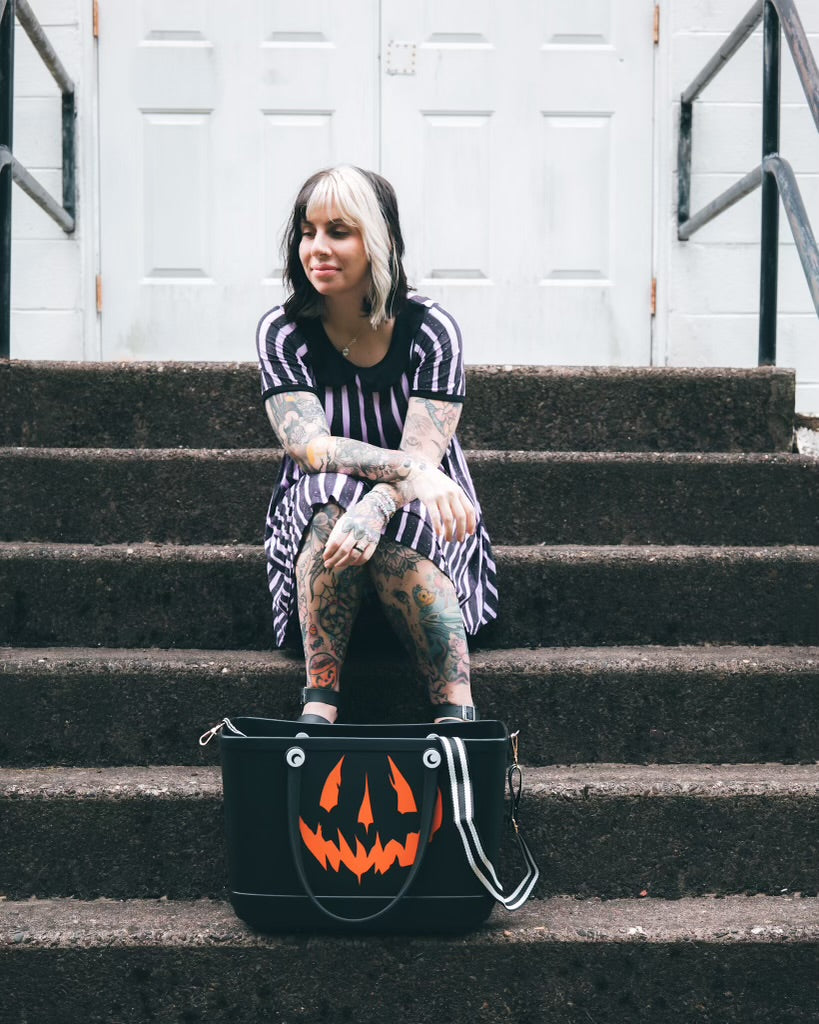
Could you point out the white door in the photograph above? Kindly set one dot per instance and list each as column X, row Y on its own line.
column 518, row 136
column 211, row 116
column 520, row 143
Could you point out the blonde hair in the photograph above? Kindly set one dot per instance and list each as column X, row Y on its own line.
column 366, row 201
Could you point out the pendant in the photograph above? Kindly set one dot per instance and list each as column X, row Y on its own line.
column 345, row 351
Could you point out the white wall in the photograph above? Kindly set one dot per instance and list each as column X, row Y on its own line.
column 707, row 297
column 53, row 274
column 708, row 287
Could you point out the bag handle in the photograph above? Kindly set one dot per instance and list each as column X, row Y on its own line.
column 295, row 758
column 462, row 809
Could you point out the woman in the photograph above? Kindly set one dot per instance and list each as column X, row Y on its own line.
column 364, row 386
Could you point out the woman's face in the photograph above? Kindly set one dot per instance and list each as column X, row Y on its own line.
column 332, row 254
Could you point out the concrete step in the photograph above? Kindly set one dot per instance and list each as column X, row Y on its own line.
column 215, row 597
column 105, row 496
column 596, row 830
column 84, row 706
column 738, row 960
column 217, row 405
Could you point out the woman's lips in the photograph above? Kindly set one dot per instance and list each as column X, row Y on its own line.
column 324, row 270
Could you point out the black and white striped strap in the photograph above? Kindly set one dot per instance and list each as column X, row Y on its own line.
column 463, row 811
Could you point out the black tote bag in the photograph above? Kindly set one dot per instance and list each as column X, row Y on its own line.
column 365, row 827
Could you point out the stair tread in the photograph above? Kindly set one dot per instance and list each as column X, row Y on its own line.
column 739, row 658
column 273, row 454
column 153, row 550
column 65, row 923
column 173, row 782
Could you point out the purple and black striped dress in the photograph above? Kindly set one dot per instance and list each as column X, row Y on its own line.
column 370, row 404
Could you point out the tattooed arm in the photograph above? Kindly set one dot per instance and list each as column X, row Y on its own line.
column 299, row 420
column 429, row 427
column 301, row 425
column 428, row 430
column 297, row 417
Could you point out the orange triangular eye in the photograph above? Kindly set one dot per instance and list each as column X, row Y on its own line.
column 329, row 794
column 365, row 813
column 406, row 801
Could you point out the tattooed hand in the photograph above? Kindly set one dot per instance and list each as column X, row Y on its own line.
column 452, row 513
column 355, row 536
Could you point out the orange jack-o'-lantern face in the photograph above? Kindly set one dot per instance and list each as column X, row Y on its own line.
column 323, row 670
column 360, row 854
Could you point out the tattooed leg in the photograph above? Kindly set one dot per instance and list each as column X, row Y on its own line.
column 422, row 606
column 328, row 602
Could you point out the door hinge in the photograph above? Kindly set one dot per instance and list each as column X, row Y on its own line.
column 99, row 293
column 96, row 17
column 654, row 296
column 656, row 24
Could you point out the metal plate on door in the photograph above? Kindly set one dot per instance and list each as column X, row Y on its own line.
column 400, row 58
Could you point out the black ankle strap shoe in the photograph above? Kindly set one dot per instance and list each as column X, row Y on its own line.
column 321, row 695
column 456, row 712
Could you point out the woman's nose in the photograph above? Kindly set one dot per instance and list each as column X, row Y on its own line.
column 321, row 243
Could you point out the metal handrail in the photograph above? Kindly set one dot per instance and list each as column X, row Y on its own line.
column 10, row 168
column 774, row 174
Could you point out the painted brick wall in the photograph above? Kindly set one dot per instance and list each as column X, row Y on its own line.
column 53, row 304
column 710, row 285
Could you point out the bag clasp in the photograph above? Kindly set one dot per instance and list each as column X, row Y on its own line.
column 206, row 737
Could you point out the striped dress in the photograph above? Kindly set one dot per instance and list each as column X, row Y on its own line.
column 370, row 404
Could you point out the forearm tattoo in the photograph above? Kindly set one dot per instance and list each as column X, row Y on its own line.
column 298, row 418
column 301, row 425
column 429, row 427
column 357, row 458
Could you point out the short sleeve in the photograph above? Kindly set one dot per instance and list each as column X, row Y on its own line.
column 282, row 355
column 439, row 371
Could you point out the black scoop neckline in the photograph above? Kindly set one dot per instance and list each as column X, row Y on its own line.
column 331, row 368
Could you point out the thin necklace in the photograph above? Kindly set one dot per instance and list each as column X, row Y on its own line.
column 346, row 350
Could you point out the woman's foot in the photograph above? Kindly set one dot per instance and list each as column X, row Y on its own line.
column 320, row 706
column 455, row 713
column 318, row 714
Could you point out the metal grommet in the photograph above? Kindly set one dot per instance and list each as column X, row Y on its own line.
column 433, row 736
column 295, row 757
column 302, row 736
column 431, row 758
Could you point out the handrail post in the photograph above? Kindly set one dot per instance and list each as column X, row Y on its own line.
column 769, row 268
column 6, row 132
column 684, row 163
column 69, row 156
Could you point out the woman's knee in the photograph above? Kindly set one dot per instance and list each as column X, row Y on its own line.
column 318, row 531
column 423, row 593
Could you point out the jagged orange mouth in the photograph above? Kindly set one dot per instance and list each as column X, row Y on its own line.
column 381, row 856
